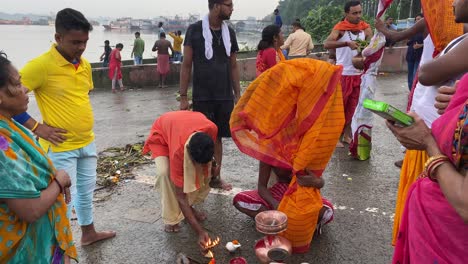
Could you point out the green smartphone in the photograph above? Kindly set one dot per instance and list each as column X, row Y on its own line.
column 388, row 112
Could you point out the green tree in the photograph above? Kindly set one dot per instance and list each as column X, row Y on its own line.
column 321, row 20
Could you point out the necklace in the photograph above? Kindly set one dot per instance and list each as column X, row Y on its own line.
column 351, row 38
column 218, row 38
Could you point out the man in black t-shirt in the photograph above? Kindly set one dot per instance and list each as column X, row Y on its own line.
column 216, row 86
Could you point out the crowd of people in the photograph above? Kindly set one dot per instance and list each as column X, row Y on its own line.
column 112, row 59
column 290, row 119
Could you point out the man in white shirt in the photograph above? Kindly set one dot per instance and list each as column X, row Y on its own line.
column 299, row 42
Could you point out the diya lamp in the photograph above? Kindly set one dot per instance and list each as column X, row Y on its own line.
column 210, row 245
column 272, row 247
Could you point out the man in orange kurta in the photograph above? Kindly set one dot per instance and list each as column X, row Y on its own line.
column 182, row 144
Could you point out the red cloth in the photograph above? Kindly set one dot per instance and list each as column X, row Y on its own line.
column 277, row 191
column 351, row 86
column 345, row 25
column 169, row 134
column 115, row 64
column 268, row 58
column 163, row 65
column 253, row 197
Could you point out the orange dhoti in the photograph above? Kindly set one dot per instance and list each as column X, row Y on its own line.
column 291, row 117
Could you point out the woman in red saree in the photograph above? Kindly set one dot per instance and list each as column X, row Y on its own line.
column 433, row 227
column 269, row 52
column 115, row 67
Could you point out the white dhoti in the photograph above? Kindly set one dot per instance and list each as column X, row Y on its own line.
column 196, row 186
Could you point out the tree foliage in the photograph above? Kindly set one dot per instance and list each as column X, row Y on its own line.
column 319, row 16
column 320, row 21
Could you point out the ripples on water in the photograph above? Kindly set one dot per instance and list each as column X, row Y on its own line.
column 23, row 43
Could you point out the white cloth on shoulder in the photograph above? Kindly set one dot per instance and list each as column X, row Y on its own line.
column 208, row 36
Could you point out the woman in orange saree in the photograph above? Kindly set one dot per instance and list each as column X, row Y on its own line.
column 291, row 117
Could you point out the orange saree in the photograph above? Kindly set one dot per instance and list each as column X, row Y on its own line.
column 291, row 117
column 440, row 21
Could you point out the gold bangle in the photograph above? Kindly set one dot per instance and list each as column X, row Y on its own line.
column 434, row 158
column 35, row 126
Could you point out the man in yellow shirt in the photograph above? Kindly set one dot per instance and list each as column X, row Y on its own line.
column 299, row 43
column 61, row 80
column 178, row 40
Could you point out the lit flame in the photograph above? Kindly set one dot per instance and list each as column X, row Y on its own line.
column 209, row 254
column 212, row 244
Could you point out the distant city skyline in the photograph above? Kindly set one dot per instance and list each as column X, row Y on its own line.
column 137, row 8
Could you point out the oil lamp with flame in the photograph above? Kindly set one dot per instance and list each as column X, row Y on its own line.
column 210, row 245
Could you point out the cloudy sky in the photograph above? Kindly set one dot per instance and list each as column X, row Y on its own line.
column 136, row 8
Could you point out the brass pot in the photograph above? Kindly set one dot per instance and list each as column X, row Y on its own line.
column 358, row 62
column 271, row 222
column 273, row 249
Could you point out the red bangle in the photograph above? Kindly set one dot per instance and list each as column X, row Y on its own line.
column 432, row 166
column 60, row 185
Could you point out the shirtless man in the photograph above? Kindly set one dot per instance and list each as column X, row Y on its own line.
column 162, row 46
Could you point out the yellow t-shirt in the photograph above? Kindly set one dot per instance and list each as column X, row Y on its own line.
column 62, row 94
column 177, row 42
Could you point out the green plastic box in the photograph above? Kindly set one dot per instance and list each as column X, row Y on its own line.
column 388, row 112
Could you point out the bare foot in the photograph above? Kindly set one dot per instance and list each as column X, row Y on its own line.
column 339, row 144
column 96, row 236
column 201, row 216
column 172, row 228
column 398, row 163
column 218, row 183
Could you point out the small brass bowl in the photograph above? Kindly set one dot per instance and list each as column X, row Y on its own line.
column 271, row 222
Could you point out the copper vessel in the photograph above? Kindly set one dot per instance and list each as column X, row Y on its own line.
column 272, row 248
column 271, row 222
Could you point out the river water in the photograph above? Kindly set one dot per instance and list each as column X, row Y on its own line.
column 23, row 43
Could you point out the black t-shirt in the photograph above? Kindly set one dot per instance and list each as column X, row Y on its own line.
column 414, row 54
column 211, row 78
column 107, row 50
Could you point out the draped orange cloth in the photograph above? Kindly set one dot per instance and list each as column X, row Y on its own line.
column 440, row 21
column 346, row 25
column 291, row 117
column 413, row 166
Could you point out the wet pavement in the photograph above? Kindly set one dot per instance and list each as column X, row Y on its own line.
column 363, row 193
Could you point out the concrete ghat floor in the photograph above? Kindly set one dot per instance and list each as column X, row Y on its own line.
column 363, row 192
